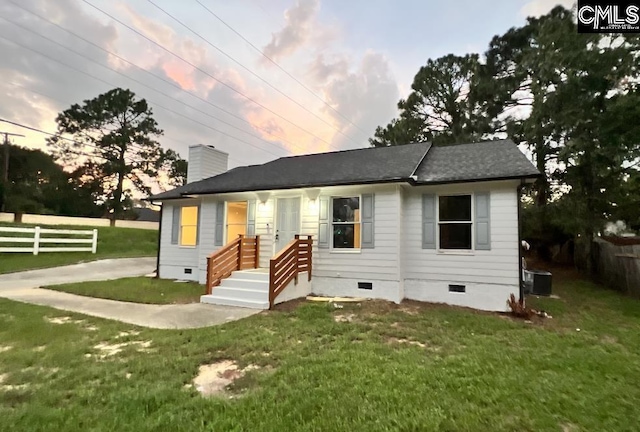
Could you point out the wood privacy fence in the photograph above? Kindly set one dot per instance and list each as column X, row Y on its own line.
column 37, row 239
column 617, row 265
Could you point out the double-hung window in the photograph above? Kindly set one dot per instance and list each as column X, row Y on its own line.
column 346, row 222
column 455, row 222
column 188, row 226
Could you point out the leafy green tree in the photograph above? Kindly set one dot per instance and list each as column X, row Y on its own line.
column 177, row 169
column 517, row 80
column 442, row 106
column 114, row 138
column 38, row 185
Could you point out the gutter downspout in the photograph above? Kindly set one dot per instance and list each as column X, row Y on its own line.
column 519, row 189
column 159, row 242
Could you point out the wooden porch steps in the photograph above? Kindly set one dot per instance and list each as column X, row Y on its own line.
column 244, row 288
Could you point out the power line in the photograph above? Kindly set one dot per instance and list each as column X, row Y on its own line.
column 321, row 99
column 230, row 87
column 154, row 89
column 171, row 83
column 156, row 104
column 33, row 129
column 233, row 158
column 230, row 57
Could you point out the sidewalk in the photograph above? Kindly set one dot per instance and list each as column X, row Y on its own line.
column 23, row 287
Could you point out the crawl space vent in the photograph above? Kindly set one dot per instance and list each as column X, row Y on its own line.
column 365, row 285
column 187, row 271
column 457, row 288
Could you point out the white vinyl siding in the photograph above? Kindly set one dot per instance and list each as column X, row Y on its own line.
column 174, row 259
column 496, row 266
column 207, row 233
column 397, row 265
column 379, row 263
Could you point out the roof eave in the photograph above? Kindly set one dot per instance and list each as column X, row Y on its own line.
column 315, row 185
column 482, row 179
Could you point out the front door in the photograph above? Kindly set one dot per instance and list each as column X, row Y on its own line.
column 287, row 221
column 236, row 219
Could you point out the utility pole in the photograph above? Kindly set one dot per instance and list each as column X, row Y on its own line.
column 5, row 172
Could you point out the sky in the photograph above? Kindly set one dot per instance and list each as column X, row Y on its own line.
column 258, row 79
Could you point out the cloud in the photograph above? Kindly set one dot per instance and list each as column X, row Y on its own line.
column 535, row 8
column 37, row 88
column 366, row 96
column 297, row 30
column 321, row 70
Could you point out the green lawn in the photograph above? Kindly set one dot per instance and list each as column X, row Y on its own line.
column 379, row 367
column 112, row 243
column 138, row 290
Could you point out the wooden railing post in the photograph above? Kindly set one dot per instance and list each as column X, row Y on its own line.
column 297, row 252
column 309, row 262
column 240, row 251
column 209, row 275
column 257, row 261
column 272, row 282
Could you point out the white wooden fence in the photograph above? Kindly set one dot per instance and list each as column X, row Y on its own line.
column 39, row 242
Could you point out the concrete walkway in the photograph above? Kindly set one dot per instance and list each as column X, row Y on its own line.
column 23, row 287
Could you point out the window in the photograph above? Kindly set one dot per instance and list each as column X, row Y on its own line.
column 346, row 222
column 188, row 226
column 454, row 221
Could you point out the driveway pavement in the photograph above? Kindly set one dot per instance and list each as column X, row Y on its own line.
column 24, row 287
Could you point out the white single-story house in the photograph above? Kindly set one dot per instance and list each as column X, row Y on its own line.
column 415, row 221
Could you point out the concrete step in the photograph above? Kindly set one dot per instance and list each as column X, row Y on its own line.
column 245, row 283
column 250, row 274
column 240, row 293
column 231, row 301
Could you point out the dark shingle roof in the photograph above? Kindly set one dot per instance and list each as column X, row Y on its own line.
column 479, row 161
column 466, row 162
column 367, row 165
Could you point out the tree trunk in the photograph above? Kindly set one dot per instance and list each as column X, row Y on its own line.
column 117, row 194
column 542, row 185
column 117, row 197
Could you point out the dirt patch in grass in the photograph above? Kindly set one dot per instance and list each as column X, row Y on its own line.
column 62, row 320
column 404, row 341
column 289, row 306
column 106, row 349
column 344, row 318
column 214, row 379
column 125, row 334
column 9, row 387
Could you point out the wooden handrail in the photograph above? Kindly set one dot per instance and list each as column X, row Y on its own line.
column 293, row 259
column 239, row 254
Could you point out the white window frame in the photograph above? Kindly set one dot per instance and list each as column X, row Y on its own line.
column 331, row 223
column 470, row 251
column 180, row 225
